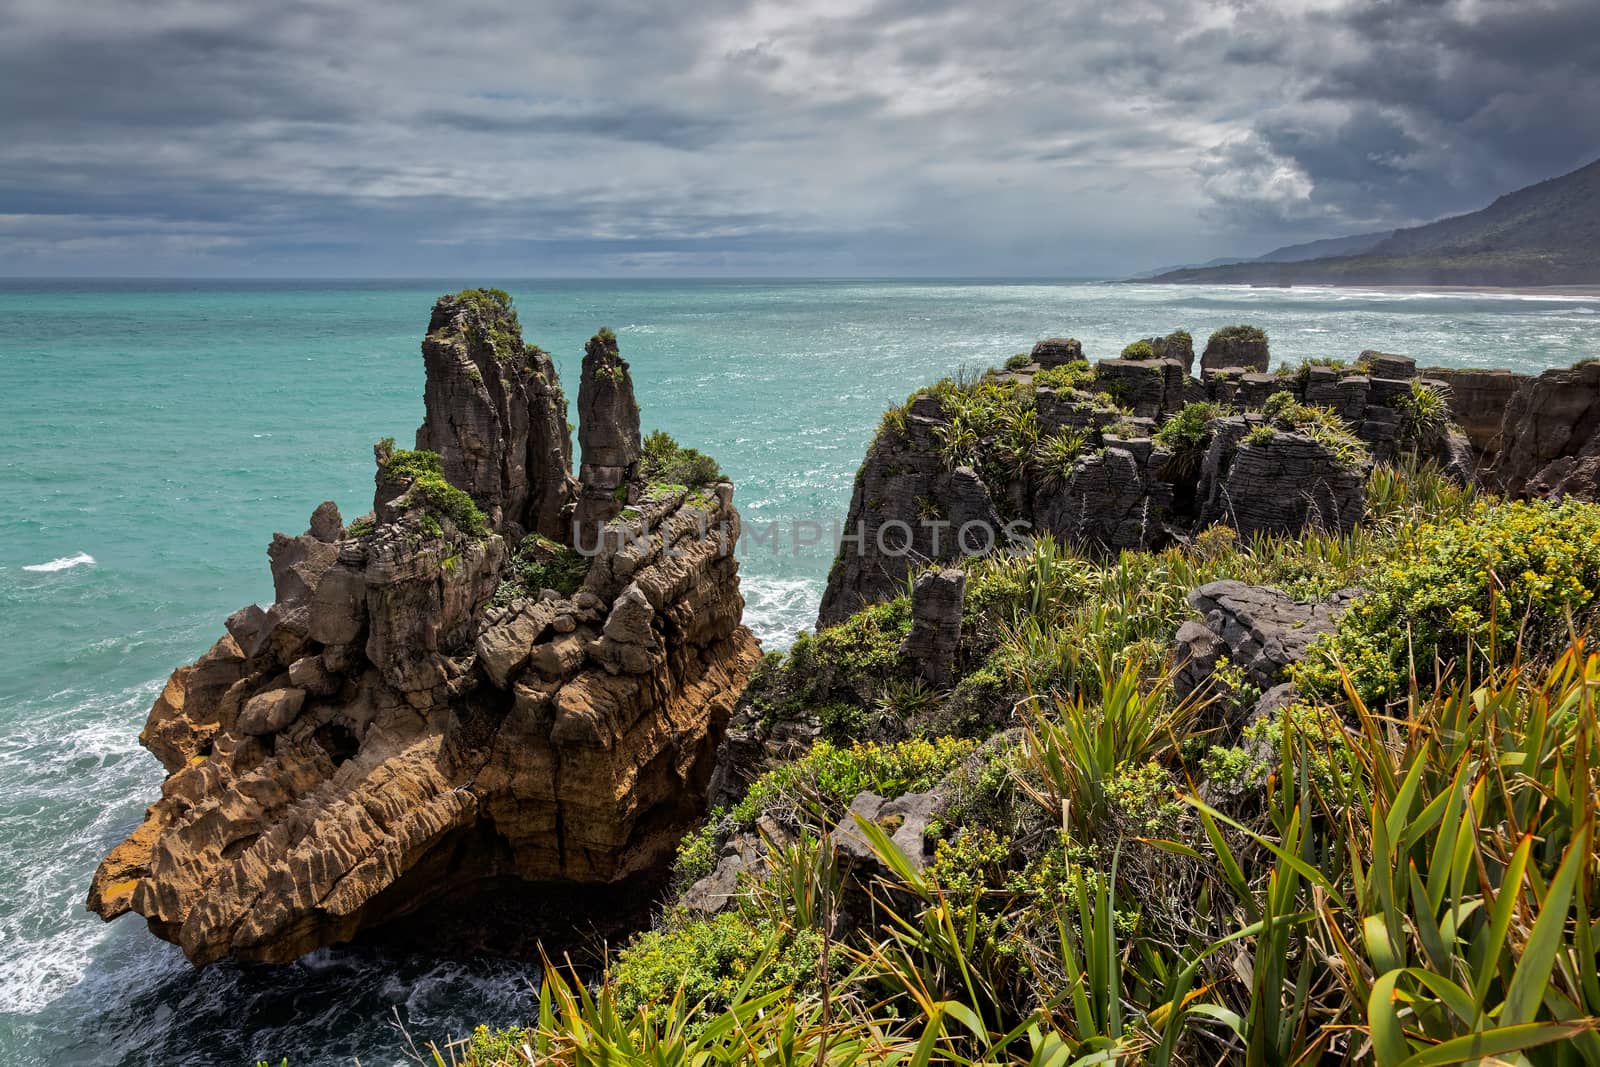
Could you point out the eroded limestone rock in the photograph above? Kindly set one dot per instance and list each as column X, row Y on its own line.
column 496, row 415
column 936, row 600
column 1282, row 484
column 384, row 735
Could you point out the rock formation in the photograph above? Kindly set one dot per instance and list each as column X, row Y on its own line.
column 936, row 600
column 608, row 433
column 1285, row 482
column 1057, row 352
column 496, row 415
column 1243, row 347
column 1550, row 435
column 1126, row 488
column 1478, row 400
column 1259, row 631
column 907, row 509
column 416, row 712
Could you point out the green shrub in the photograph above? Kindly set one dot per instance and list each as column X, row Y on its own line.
column 1424, row 418
column 1238, row 333
column 405, row 465
column 1260, row 436
column 697, row 852
column 828, row 777
column 503, row 330
column 1320, row 424
column 1075, row 375
column 1187, row 435
column 429, row 490
column 709, row 959
column 540, row 563
column 1139, row 350
column 663, row 461
column 1018, row 361
column 1506, row 575
column 864, row 647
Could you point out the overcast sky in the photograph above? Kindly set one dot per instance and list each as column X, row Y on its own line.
column 748, row 137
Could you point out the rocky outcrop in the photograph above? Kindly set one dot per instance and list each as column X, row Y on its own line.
column 1243, row 347
column 1277, row 481
column 1057, row 352
column 1121, row 489
column 1149, row 388
column 411, row 718
column 1478, row 401
column 1115, row 498
column 1551, row 436
column 907, row 510
column 1177, row 345
column 1259, row 631
column 496, row 415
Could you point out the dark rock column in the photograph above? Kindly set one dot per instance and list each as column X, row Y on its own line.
column 1057, row 351
column 936, row 600
column 1236, row 346
column 608, row 436
column 496, row 415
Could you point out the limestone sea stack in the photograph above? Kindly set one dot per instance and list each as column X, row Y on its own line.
column 447, row 691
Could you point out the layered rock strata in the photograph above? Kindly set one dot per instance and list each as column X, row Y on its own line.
column 1550, row 436
column 1260, row 632
column 1126, row 489
column 414, row 714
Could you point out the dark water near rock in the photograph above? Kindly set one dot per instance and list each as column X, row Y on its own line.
column 153, row 435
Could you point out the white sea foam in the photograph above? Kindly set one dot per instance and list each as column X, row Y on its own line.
column 82, row 559
column 777, row 609
column 81, row 746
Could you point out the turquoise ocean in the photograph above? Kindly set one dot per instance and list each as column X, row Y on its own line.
column 153, row 435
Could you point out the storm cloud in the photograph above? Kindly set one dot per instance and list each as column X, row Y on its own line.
column 764, row 136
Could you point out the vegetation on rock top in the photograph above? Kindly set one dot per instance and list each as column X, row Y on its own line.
column 540, row 563
column 498, row 315
column 1238, row 333
column 662, row 461
column 429, row 489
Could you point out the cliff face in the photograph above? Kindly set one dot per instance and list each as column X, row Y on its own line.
column 1551, row 435
column 416, row 711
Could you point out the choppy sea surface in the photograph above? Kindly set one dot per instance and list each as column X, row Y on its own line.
column 153, row 435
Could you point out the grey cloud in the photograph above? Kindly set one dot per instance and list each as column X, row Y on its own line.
column 929, row 136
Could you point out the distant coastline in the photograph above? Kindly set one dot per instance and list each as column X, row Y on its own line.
column 1543, row 237
column 1579, row 292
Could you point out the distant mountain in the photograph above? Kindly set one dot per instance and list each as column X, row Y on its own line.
column 1330, row 246
column 1546, row 234
column 1220, row 262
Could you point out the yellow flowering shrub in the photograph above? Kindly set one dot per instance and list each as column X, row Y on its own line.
column 1502, row 575
column 710, row 959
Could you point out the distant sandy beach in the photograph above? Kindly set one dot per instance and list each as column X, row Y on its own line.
column 1590, row 292
column 1579, row 292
